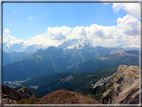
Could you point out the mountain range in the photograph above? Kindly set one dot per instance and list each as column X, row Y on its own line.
column 11, row 55
column 71, row 56
column 70, row 44
column 53, row 60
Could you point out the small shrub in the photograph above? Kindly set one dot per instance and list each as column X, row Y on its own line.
column 73, row 94
column 111, row 84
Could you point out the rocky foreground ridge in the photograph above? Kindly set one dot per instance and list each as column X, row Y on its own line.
column 12, row 96
column 124, row 86
column 62, row 96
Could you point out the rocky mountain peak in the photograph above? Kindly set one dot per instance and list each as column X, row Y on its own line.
column 74, row 44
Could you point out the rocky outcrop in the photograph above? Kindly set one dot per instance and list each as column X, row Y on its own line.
column 10, row 96
column 125, row 88
column 27, row 92
column 102, row 81
column 66, row 79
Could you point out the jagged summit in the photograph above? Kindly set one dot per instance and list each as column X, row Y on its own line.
column 68, row 44
column 75, row 44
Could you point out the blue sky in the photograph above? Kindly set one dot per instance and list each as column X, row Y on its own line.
column 44, row 15
column 50, row 24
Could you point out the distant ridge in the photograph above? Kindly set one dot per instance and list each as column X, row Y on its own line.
column 51, row 60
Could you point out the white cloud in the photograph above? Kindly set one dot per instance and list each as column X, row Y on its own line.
column 6, row 31
column 106, row 3
column 54, row 37
column 41, row 39
column 10, row 39
column 31, row 17
column 129, row 25
column 106, row 36
column 58, row 33
column 14, row 10
column 126, row 32
column 131, row 8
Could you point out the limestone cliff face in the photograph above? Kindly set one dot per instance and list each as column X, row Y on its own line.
column 125, row 88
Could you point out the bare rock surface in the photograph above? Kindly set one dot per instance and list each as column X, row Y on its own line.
column 125, row 89
column 66, row 79
column 27, row 92
column 102, row 81
column 10, row 96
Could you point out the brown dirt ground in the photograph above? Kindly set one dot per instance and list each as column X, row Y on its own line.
column 66, row 97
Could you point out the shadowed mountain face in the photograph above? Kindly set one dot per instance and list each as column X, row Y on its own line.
column 64, row 97
column 12, row 96
column 12, row 57
column 38, row 64
column 110, row 60
column 51, row 60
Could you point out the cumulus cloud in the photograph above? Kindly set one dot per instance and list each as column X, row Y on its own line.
column 125, row 33
column 131, row 8
column 10, row 39
column 129, row 25
column 31, row 17
column 6, row 31
column 58, row 33
column 100, row 33
column 41, row 40
column 77, row 32
column 54, row 37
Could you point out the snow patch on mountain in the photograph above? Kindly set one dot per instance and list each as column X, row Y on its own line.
column 74, row 44
column 129, row 47
column 66, row 45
